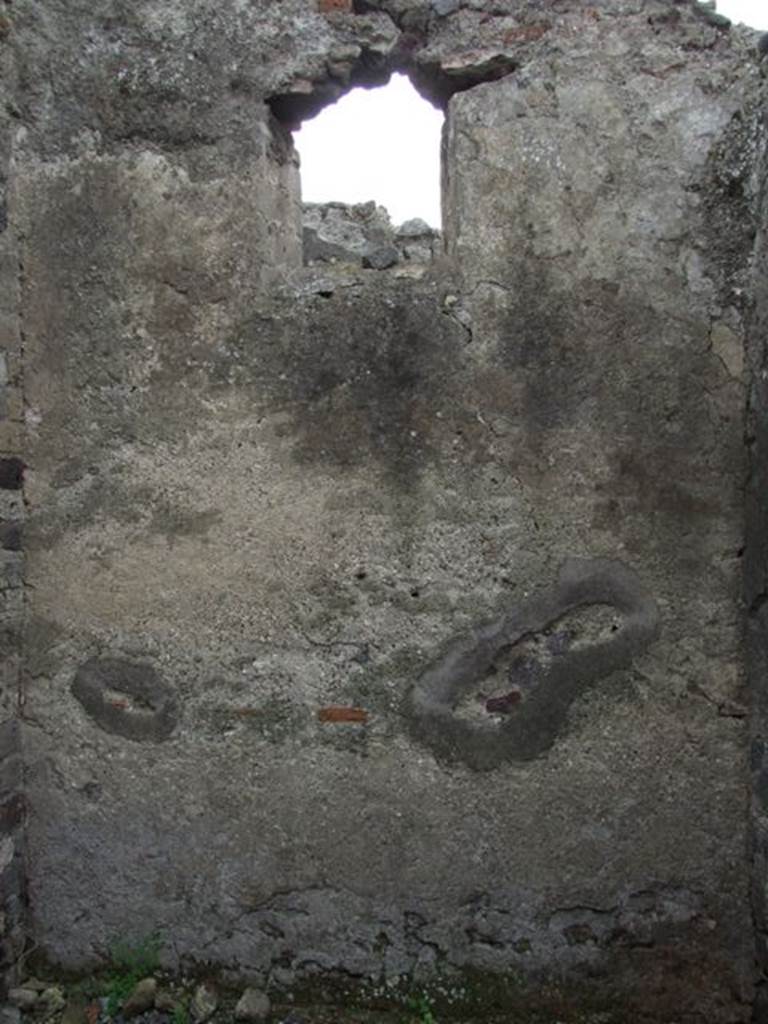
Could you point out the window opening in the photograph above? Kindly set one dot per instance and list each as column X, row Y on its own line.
column 375, row 144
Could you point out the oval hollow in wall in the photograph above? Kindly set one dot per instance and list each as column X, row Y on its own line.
column 534, row 715
column 126, row 699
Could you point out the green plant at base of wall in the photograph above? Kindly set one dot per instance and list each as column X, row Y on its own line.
column 420, row 1007
column 130, row 962
column 180, row 1014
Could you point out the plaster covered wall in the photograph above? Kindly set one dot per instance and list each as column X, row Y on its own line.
column 756, row 574
column 386, row 623
column 13, row 932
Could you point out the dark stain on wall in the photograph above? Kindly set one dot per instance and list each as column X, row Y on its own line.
column 11, row 474
column 360, row 379
column 10, row 535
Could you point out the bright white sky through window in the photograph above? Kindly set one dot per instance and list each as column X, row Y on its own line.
column 749, row 12
column 384, row 144
column 381, row 144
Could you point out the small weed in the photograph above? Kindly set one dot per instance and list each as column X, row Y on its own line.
column 180, row 1014
column 421, row 1008
column 141, row 957
column 131, row 961
column 119, row 987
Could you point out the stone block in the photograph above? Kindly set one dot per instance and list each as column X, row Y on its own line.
column 11, row 813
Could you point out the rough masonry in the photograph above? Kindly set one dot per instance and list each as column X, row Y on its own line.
column 387, row 623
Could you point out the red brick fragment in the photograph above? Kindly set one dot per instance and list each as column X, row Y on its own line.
column 326, row 6
column 341, row 714
column 527, row 33
column 503, row 705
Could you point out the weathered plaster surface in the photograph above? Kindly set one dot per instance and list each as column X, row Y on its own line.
column 259, row 495
column 12, row 514
column 756, row 573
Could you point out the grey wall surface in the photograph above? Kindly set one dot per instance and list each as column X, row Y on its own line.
column 12, row 599
column 391, row 623
column 756, row 569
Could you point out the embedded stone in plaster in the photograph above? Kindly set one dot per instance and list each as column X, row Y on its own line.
column 729, row 348
column 11, row 535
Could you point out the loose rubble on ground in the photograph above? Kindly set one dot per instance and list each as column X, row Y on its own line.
column 164, row 998
column 150, row 1000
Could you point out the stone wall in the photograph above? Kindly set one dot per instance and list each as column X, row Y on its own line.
column 756, row 568
column 12, row 923
column 389, row 624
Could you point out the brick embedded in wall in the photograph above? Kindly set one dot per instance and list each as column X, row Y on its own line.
column 328, row 6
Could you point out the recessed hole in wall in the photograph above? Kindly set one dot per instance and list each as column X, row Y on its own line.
column 375, row 144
